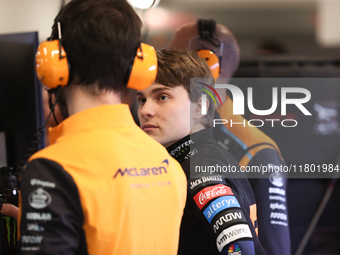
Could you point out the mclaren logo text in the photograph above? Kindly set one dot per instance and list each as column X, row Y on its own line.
column 143, row 171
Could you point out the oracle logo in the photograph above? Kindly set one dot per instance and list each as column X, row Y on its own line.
column 205, row 195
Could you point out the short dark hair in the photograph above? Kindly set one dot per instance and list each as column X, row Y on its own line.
column 100, row 38
column 177, row 67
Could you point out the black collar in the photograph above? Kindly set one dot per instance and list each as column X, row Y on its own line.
column 183, row 149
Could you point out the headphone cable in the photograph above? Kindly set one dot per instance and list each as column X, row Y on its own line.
column 36, row 140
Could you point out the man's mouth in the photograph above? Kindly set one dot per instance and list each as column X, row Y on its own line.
column 149, row 127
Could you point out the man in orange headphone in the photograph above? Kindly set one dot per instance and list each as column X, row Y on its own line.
column 250, row 146
column 102, row 186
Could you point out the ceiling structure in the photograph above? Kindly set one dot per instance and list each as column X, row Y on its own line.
column 249, row 20
column 205, row 5
column 303, row 25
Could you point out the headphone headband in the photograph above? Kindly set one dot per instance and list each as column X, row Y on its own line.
column 53, row 68
column 206, row 28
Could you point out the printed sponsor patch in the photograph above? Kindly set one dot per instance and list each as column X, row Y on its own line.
column 278, row 191
column 38, row 216
column 275, row 222
column 30, row 248
column 228, row 218
column 278, row 206
column 220, row 204
column 146, row 171
column 280, row 198
column 32, row 239
column 35, row 227
column 39, row 198
column 241, row 248
column 276, row 178
column 205, row 195
column 180, row 148
column 195, row 184
column 42, row 183
column 234, row 249
column 232, row 234
column 278, row 216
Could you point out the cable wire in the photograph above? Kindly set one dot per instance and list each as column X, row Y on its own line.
column 36, row 140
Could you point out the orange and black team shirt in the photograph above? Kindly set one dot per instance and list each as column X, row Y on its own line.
column 102, row 187
column 217, row 215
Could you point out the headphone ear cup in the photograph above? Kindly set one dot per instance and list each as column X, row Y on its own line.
column 212, row 61
column 51, row 66
column 144, row 69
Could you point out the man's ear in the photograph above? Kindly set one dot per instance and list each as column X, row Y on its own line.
column 198, row 109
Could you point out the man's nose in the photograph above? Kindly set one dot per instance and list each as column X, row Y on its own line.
column 147, row 110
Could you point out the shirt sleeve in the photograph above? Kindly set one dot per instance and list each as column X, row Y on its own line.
column 270, row 193
column 222, row 214
column 51, row 220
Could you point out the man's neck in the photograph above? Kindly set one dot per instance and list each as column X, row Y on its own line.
column 80, row 98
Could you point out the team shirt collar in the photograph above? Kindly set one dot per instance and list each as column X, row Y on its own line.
column 105, row 116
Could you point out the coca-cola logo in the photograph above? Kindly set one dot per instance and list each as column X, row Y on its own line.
column 215, row 192
column 205, row 195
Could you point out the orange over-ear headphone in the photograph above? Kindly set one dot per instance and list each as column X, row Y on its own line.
column 212, row 60
column 53, row 69
column 144, row 68
column 206, row 30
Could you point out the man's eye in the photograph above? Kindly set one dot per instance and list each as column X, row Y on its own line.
column 141, row 100
column 163, row 97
